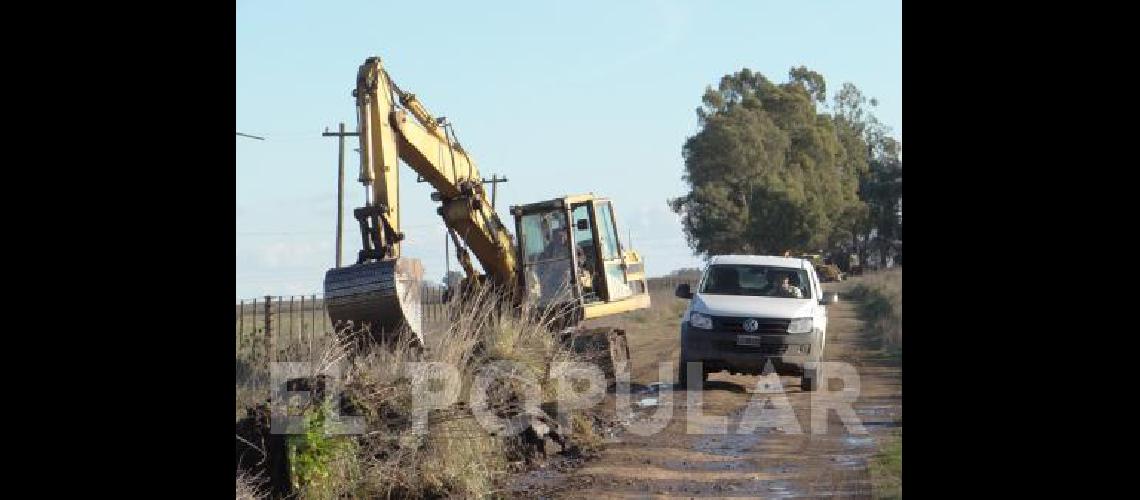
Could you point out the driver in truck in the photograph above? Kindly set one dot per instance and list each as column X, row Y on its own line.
column 784, row 288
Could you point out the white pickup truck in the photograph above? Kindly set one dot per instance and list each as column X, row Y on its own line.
column 748, row 310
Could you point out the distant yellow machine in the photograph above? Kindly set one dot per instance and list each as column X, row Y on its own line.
column 567, row 253
column 827, row 270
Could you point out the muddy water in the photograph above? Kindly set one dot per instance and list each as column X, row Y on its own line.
column 705, row 453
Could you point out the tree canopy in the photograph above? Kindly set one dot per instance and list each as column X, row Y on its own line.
column 770, row 171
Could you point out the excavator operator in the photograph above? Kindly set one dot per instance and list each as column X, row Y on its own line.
column 556, row 245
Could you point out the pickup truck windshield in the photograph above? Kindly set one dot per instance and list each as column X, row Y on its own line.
column 761, row 281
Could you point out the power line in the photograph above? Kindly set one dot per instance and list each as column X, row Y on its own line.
column 287, row 233
column 251, row 136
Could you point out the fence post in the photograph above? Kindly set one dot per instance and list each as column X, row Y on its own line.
column 292, row 335
column 280, row 324
column 271, row 352
column 313, row 332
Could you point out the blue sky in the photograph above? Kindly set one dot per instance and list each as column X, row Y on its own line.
column 560, row 97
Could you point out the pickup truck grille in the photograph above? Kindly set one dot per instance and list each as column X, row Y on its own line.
column 767, row 349
column 768, row 326
column 764, row 349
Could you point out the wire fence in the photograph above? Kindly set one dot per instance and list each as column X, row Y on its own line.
column 282, row 320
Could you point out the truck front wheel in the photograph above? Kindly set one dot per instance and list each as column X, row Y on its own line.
column 812, row 377
column 683, row 373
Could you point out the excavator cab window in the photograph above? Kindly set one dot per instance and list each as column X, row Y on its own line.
column 586, row 247
column 617, row 286
column 546, row 256
column 572, row 253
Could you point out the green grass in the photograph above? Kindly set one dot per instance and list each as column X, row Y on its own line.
column 321, row 465
column 886, row 468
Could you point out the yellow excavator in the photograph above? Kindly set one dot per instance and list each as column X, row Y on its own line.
column 567, row 254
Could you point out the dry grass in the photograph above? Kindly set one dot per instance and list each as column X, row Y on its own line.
column 456, row 457
column 585, row 433
column 666, row 310
column 250, row 487
column 881, row 294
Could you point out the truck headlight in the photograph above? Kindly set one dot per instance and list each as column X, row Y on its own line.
column 702, row 321
column 800, row 325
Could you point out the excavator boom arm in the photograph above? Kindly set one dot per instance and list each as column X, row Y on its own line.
column 410, row 133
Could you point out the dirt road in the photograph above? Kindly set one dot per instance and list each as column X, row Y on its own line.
column 766, row 463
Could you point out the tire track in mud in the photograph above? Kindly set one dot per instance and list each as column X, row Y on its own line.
column 767, row 463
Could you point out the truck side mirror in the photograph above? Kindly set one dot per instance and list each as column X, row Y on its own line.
column 684, row 292
column 829, row 298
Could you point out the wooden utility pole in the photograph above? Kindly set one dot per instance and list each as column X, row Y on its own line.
column 494, row 182
column 339, row 186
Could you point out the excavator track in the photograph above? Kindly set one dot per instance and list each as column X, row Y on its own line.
column 605, row 347
column 381, row 297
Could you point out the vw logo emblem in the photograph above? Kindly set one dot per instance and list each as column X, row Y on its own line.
column 750, row 325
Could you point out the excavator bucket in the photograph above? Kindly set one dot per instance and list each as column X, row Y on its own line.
column 379, row 297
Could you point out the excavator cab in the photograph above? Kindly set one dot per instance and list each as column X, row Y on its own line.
column 571, row 254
